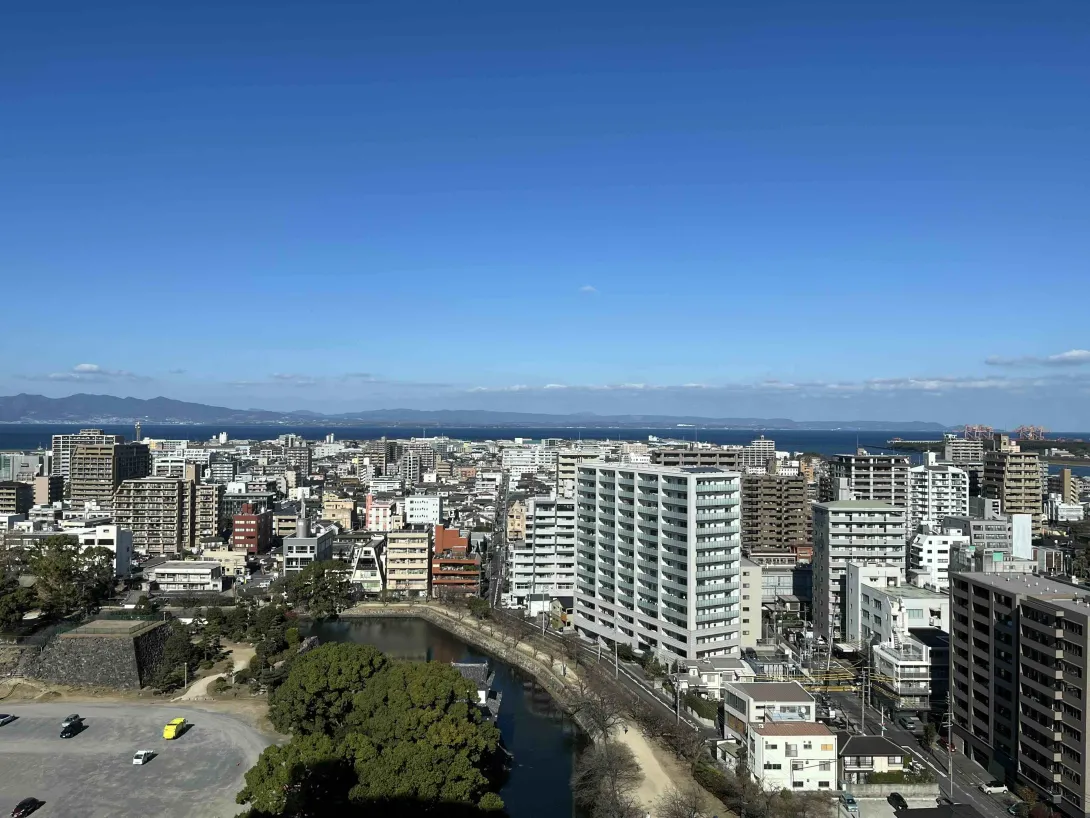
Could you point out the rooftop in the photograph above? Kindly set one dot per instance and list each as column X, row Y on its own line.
column 871, row 746
column 799, row 728
column 186, row 565
column 113, row 627
column 773, row 691
column 1017, row 583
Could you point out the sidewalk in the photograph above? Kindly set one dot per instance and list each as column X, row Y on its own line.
column 240, row 657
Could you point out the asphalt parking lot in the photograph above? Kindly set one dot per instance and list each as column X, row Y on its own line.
column 92, row 774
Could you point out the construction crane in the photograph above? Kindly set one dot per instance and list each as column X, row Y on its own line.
column 1030, row 432
column 978, row 432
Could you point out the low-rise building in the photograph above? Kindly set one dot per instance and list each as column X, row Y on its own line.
column 706, row 677
column 186, row 575
column 795, row 756
column 423, row 509
column 454, row 569
column 307, row 546
column 113, row 537
column 408, row 562
column 861, row 756
column 365, row 566
column 251, row 531
column 232, row 562
column 745, row 703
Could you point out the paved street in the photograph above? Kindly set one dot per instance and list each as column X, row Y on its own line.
column 92, row 774
column 967, row 774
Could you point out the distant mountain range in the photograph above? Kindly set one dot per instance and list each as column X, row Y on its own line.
column 107, row 409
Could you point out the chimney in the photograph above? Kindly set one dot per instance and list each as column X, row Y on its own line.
column 301, row 524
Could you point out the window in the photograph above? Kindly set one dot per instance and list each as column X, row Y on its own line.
column 822, row 785
column 828, row 748
column 915, row 613
column 773, row 766
column 825, row 766
column 798, row 785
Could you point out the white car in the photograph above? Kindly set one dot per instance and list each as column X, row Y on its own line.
column 6, row 718
column 993, row 787
column 142, row 756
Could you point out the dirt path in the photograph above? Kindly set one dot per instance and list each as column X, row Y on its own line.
column 656, row 780
column 240, row 657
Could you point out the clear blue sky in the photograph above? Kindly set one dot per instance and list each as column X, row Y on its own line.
column 805, row 209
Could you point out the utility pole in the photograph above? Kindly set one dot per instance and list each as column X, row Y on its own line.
column 677, row 701
column 863, row 703
column 616, row 662
column 950, row 745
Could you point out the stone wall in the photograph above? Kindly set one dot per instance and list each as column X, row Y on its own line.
column 122, row 661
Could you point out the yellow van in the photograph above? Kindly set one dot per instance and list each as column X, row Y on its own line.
column 174, row 729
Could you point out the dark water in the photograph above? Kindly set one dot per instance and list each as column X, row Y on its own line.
column 543, row 741
column 15, row 436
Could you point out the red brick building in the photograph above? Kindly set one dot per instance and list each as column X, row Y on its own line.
column 454, row 570
column 250, row 531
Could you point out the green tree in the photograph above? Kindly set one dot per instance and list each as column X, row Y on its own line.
column 479, row 608
column 309, row 776
column 180, row 658
column 322, row 588
column 930, row 734
column 316, row 696
column 15, row 602
column 70, row 579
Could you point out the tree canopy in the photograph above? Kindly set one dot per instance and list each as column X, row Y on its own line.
column 322, row 588
column 70, row 578
column 403, row 736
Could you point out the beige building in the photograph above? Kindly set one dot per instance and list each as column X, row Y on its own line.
column 1014, row 478
column 158, row 511
column 64, row 446
column 408, row 562
column 775, row 510
column 880, row 478
column 714, row 458
column 232, row 562
column 208, row 510
column 516, row 521
column 96, row 470
column 48, row 489
column 751, row 603
column 340, row 510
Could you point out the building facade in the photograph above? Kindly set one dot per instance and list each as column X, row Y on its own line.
column 935, row 492
column 408, row 562
column 544, row 563
column 95, row 471
column 65, row 445
column 1014, row 478
column 16, row 497
column 775, row 510
column 455, row 569
column 657, row 558
column 158, row 512
column 881, row 478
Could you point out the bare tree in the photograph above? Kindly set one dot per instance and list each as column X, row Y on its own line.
column 603, row 779
column 682, row 802
column 601, row 711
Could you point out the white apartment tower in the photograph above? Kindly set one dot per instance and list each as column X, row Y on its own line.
column 881, row 478
column 851, row 531
column 657, row 558
column 544, row 562
column 936, row 492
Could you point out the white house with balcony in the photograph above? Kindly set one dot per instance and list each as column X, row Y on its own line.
column 795, row 756
column 749, row 703
column 185, row 575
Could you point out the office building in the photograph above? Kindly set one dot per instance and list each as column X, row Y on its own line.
column 251, row 531
column 1019, row 676
column 1057, row 511
column 64, row 446
column 408, row 562
column 95, row 471
column 544, row 563
column 423, row 509
column 751, row 605
column 881, row 478
column 851, row 531
column 775, row 510
column 881, row 608
column 16, row 497
column 455, row 569
column 729, row 459
column 657, row 558
column 1014, row 478
column 158, row 512
column 935, row 492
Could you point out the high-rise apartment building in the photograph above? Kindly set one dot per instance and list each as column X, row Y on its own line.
column 751, row 605
column 775, row 510
column 958, row 451
column 719, row 458
column 757, row 454
column 48, row 489
column 1019, row 682
column 158, row 511
column 15, row 497
column 935, row 492
column 1014, row 478
column 96, row 470
column 657, row 558
column 65, row 445
column 544, row 562
column 880, row 478
column 851, row 531
column 207, row 510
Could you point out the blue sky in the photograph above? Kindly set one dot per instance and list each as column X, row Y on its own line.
column 829, row 210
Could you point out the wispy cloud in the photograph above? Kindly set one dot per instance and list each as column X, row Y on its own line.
column 176, row 371
column 301, row 380
column 1073, row 357
column 588, row 288
column 88, row 373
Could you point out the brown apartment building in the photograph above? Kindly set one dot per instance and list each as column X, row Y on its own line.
column 454, row 570
column 15, row 497
column 1014, row 478
column 729, row 459
column 775, row 510
column 96, row 470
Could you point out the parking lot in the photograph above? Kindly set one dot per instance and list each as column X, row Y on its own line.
column 92, row 774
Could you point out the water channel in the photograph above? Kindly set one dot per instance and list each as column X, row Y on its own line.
column 543, row 741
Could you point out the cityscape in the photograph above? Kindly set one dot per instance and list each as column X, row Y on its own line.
column 545, row 410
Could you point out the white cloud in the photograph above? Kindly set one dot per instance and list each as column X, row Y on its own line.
column 1073, row 357
column 588, row 288
column 88, row 373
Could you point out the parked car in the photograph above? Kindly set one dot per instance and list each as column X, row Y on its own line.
column 6, row 718
column 1018, row 809
column 897, row 801
column 75, row 718
column 910, row 723
column 945, row 744
column 993, row 787
column 73, row 729
column 174, row 729
column 849, row 802
column 25, row 807
column 142, row 756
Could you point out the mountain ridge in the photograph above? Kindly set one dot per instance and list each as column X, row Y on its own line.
column 90, row 408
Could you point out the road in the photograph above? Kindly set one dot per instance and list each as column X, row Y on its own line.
column 92, row 774
column 967, row 774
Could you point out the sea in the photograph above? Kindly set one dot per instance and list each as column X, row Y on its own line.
column 24, row 437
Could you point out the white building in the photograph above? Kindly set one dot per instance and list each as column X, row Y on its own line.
column 793, row 756
column 706, row 677
column 749, row 703
column 863, row 532
column 881, row 609
column 386, row 484
column 881, row 478
column 1060, row 512
column 187, row 575
column 657, row 558
column 930, row 553
column 383, row 515
column 423, row 509
column 935, row 492
column 544, row 562
column 307, row 546
column 757, row 454
column 365, row 567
